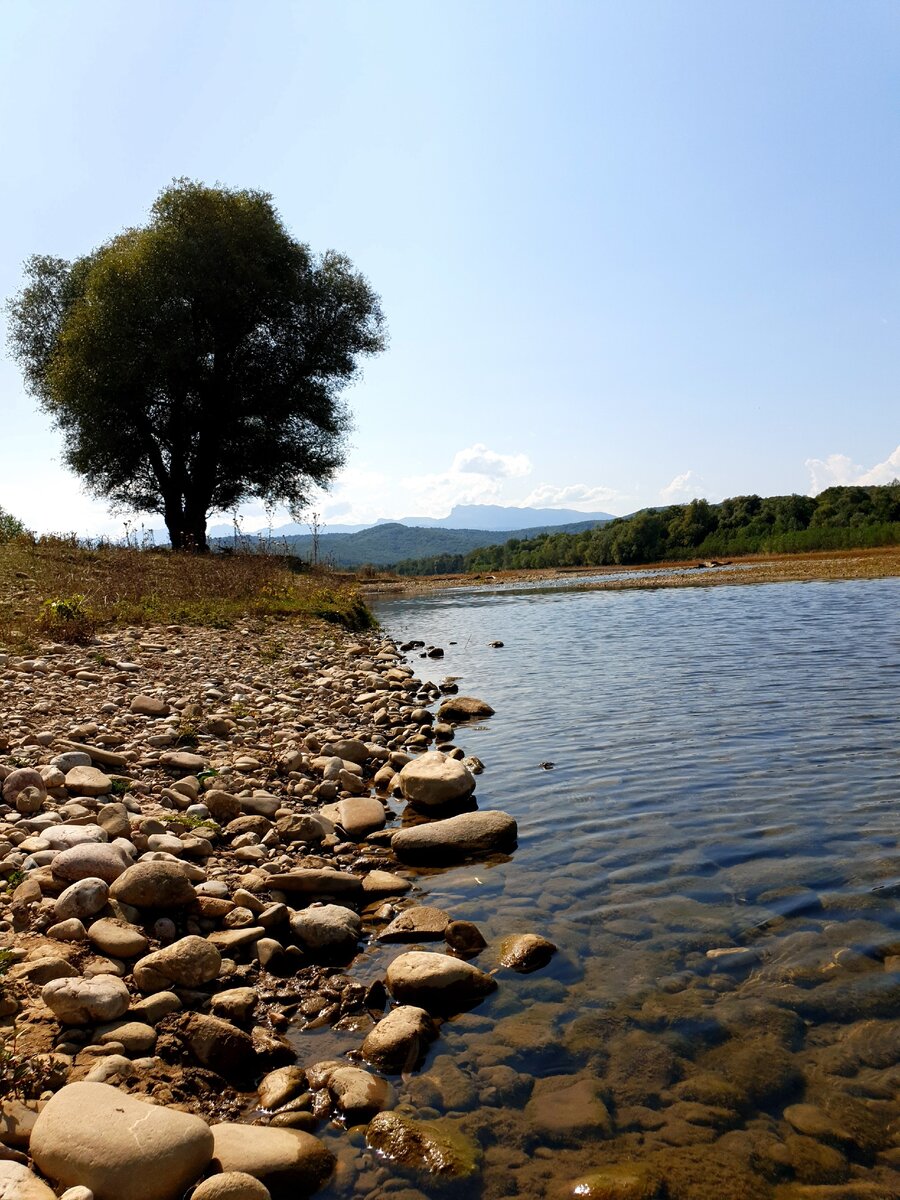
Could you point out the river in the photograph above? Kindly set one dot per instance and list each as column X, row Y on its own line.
column 724, row 778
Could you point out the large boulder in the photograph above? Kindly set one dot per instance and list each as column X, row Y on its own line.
column 455, row 838
column 190, row 962
column 158, row 883
column 464, row 708
column 434, row 780
column 327, row 932
column 399, row 1041
column 118, row 1146
column 94, row 860
column 77, row 1001
column 438, row 983
column 288, row 1161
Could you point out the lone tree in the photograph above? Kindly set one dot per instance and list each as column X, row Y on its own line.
column 198, row 361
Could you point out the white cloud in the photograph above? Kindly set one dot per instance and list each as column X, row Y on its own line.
column 575, row 495
column 475, row 476
column 479, row 460
column 686, row 486
column 838, row 470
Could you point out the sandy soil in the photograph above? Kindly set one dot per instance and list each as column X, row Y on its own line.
column 877, row 563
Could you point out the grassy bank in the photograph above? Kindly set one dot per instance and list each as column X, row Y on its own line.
column 55, row 587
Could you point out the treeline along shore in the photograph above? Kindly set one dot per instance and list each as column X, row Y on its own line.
column 840, row 518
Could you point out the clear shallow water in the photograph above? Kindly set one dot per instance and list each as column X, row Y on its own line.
column 726, row 777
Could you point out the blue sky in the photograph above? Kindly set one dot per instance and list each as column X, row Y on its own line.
column 628, row 253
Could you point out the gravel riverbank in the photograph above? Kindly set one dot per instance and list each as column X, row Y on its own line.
column 198, row 835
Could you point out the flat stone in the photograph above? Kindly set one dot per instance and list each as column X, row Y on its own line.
column 378, row 884
column 117, row 939
column 421, row 923
column 119, row 1147
column 357, row 816
column 63, row 837
column 455, row 838
column 134, row 1036
column 464, row 708
column 314, row 881
column 285, row 1159
column 150, row 706
column 438, row 983
column 86, row 1001
column 108, row 758
column 434, row 780
column 183, row 761
column 88, row 781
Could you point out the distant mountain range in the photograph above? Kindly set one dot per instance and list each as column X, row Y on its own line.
column 492, row 518
column 384, row 544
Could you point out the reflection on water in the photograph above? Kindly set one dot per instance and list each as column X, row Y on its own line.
column 715, row 853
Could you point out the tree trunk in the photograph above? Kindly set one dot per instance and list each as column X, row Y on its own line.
column 186, row 526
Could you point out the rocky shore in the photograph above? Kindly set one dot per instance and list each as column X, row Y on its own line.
column 199, row 834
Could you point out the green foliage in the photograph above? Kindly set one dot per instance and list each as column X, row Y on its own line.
column 190, row 821
column 7, row 958
column 10, row 527
column 841, row 518
column 13, row 879
column 68, row 619
column 197, row 361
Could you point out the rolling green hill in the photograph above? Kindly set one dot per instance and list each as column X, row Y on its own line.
column 385, row 545
column 838, row 518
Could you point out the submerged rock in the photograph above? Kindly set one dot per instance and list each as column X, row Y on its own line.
column 526, row 952
column 436, row 1148
column 454, row 838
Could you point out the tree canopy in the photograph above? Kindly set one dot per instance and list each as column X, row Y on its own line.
column 197, row 361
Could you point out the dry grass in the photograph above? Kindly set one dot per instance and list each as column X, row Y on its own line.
column 55, row 587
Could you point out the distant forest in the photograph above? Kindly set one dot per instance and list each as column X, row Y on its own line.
column 838, row 518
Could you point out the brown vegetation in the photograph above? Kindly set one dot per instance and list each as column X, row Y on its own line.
column 57, row 587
